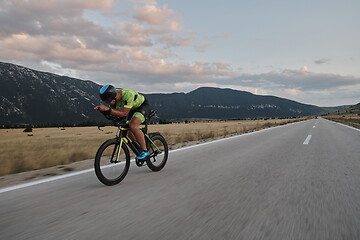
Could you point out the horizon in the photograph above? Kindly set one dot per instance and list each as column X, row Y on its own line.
column 276, row 48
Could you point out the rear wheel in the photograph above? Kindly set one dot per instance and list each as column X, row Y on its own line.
column 112, row 162
column 158, row 152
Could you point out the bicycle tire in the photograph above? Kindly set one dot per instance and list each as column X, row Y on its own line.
column 155, row 157
column 104, row 165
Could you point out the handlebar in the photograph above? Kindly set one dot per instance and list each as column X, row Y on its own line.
column 117, row 120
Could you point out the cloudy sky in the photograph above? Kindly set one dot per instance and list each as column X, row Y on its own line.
column 308, row 50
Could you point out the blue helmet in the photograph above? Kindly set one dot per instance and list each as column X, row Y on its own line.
column 108, row 93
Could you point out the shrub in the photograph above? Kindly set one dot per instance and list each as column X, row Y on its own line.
column 28, row 129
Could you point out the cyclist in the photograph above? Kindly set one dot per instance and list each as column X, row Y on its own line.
column 133, row 105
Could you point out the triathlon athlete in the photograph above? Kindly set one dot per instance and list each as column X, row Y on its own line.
column 133, row 105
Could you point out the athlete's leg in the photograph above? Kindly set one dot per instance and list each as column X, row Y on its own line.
column 131, row 136
column 137, row 133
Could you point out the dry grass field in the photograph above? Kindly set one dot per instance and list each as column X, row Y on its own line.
column 45, row 147
column 349, row 116
column 349, row 119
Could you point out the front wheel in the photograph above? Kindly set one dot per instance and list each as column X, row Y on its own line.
column 158, row 152
column 112, row 162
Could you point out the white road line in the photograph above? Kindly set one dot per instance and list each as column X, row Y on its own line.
column 307, row 140
column 7, row 189
column 357, row 129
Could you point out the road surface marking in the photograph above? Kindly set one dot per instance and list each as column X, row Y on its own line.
column 6, row 189
column 357, row 129
column 307, row 140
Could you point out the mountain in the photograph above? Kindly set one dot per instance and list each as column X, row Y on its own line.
column 337, row 108
column 355, row 109
column 29, row 96
column 218, row 103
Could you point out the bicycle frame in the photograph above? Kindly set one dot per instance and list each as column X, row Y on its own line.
column 122, row 137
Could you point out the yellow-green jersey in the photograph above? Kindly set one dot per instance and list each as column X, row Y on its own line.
column 130, row 99
column 139, row 106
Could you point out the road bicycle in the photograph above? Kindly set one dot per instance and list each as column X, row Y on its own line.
column 112, row 160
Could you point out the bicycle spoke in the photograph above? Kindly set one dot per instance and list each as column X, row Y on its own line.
column 158, row 152
column 112, row 162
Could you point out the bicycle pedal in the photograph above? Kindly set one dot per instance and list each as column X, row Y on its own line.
column 139, row 163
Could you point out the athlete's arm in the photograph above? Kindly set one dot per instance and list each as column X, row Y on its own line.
column 118, row 113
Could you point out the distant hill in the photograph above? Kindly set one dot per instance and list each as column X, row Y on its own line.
column 338, row 108
column 355, row 109
column 218, row 103
column 29, row 96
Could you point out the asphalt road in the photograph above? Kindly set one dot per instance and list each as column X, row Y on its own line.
column 274, row 184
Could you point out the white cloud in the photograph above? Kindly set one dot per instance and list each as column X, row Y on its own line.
column 152, row 15
column 57, row 31
column 55, row 5
column 174, row 41
column 304, row 69
column 301, row 79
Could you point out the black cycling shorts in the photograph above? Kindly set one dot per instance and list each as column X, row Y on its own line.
column 141, row 112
